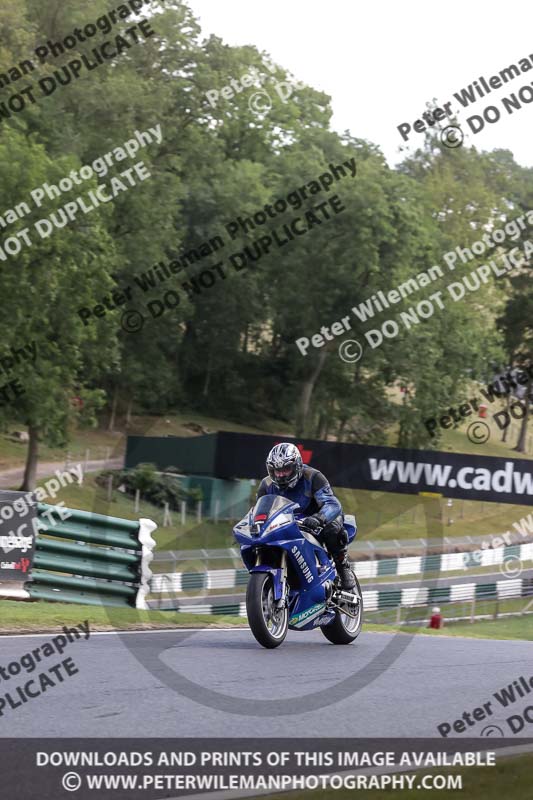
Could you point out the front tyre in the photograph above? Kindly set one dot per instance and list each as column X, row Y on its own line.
column 268, row 624
column 345, row 629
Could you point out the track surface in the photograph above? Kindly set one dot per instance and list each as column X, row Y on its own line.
column 408, row 693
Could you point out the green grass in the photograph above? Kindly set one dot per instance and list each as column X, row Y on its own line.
column 27, row 617
column 13, row 454
column 510, row 777
column 40, row 616
column 506, row 628
column 380, row 516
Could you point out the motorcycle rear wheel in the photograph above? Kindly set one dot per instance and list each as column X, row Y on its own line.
column 268, row 624
column 345, row 629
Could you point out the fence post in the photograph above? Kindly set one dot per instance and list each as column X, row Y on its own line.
column 167, row 520
column 183, row 511
column 217, row 510
column 87, row 455
column 473, row 610
column 199, row 511
column 137, row 498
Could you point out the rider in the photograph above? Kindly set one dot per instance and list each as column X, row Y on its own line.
column 287, row 476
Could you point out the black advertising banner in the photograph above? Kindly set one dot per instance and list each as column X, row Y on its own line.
column 150, row 769
column 17, row 535
column 389, row 469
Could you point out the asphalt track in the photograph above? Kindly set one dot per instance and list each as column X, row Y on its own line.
column 219, row 682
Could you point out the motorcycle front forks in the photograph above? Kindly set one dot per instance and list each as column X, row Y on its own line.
column 282, row 602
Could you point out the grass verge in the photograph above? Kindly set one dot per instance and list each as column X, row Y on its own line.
column 510, row 777
column 22, row 617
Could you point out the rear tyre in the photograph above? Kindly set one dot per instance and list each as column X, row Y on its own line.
column 345, row 629
column 268, row 624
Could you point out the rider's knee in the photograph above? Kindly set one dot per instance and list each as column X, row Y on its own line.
column 334, row 535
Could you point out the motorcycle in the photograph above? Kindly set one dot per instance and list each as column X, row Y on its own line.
column 293, row 582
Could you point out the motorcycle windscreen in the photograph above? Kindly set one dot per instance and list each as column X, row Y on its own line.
column 267, row 506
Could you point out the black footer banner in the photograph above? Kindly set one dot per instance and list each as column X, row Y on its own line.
column 149, row 769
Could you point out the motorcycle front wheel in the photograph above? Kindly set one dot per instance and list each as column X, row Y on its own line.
column 345, row 629
column 268, row 624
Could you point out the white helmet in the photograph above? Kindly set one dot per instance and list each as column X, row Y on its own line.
column 284, row 465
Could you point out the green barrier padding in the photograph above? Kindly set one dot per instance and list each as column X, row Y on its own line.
column 84, row 551
column 60, row 596
column 78, row 566
column 439, row 594
column 431, row 563
column 387, row 566
column 229, row 610
column 82, row 584
column 390, row 598
column 486, row 590
column 82, row 533
column 101, row 520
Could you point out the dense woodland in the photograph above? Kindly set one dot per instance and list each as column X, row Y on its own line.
column 229, row 351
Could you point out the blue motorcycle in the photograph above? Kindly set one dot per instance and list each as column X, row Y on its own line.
column 293, row 582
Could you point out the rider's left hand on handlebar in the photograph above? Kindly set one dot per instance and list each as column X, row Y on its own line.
column 312, row 523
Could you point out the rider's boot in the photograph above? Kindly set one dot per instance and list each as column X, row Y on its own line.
column 344, row 570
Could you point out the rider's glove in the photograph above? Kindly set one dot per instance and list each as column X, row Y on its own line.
column 312, row 522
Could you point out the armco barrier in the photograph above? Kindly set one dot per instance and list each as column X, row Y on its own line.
column 387, row 598
column 413, row 565
column 92, row 559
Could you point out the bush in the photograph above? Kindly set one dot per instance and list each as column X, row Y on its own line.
column 153, row 487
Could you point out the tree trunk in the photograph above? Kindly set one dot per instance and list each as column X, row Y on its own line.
column 509, row 398
column 112, row 418
column 208, row 372
column 320, row 425
column 342, row 428
column 128, row 412
column 306, row 395
column 506, row 429
column 30, row 470
column 522, row 437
